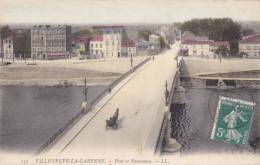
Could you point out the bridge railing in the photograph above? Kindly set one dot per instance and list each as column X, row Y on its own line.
column 91, row 106
column 159, row 144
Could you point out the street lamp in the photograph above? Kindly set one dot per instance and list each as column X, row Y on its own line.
column 85, row 90
column 131, row 60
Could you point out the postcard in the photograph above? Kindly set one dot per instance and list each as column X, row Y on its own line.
column 128, row 82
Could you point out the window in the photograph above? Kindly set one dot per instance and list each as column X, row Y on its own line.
column 100, row 45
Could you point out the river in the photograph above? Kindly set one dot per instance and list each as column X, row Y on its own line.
column 29, row 115
column 192, row 125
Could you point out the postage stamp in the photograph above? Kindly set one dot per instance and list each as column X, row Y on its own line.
column 233, row 120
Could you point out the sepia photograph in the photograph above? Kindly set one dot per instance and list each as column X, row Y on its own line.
column 129, row 82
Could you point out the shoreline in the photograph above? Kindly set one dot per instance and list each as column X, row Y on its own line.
column 60, row 82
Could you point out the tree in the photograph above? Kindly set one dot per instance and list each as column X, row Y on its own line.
column 247, row 31
column 222, row 50
column 162, row 42
column 84, row 32
column 144, row 34
column 4, row 33
column 220, row 29
column 22, row 43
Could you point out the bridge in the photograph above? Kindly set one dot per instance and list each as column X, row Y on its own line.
column 140, row 98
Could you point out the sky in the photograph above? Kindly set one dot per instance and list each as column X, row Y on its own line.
column 124, row 11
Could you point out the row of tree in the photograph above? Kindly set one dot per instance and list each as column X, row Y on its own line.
column 220, row 29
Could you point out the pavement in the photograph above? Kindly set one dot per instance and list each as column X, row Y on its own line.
column 140, row 99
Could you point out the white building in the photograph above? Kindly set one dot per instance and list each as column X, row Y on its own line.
column 199, row 48
column 112, row 44
column 154, row 39
column 96, row 47
column 112, row 40
column 250, row 45
column 8, row 48
column 50, row 42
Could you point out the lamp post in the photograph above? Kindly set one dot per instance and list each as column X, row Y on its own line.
column 85, row 90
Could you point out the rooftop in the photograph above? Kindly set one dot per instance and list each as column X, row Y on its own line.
column 252, row 39
column 128, row 43
column 221, row 43
column 82, row 39
column 97, row 38
column 108, row 27
column 194, row 42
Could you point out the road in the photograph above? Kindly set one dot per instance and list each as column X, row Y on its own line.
column 141, row 104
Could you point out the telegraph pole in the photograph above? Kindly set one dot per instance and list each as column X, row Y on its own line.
column 85, row 90
column 1, row 52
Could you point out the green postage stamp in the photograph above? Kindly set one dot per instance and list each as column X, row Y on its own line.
column 233, row 120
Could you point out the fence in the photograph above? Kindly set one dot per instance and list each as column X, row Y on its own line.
column 72, row 121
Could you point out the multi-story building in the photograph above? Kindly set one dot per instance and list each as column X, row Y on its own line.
column 128, row 49
column 112, row 44
column 113, row 36
column 96, row 46
column 250, row 45
column 50, row 42
column 8, row 47
column 201, row 48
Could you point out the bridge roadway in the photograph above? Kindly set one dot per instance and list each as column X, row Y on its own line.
column 141, row 101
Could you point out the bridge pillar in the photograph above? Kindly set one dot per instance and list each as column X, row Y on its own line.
column 170, row 143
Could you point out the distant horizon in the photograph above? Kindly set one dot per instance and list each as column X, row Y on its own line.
column 123, row 24
column 89, row 12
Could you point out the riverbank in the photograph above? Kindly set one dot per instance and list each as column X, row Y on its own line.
column 65, row 72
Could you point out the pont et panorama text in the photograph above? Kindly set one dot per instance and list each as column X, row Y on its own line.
column 89, row 161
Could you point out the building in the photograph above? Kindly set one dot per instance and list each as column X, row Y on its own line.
column 128, row 49
column 8, row 48
column 81, row 45
column 142, row 48
column 113, row 36
column 250, row 46
column 155, row 45
column 218, row 44
column 50, row 42
column 96, row 46
column 112, row 40
column 199, row 48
